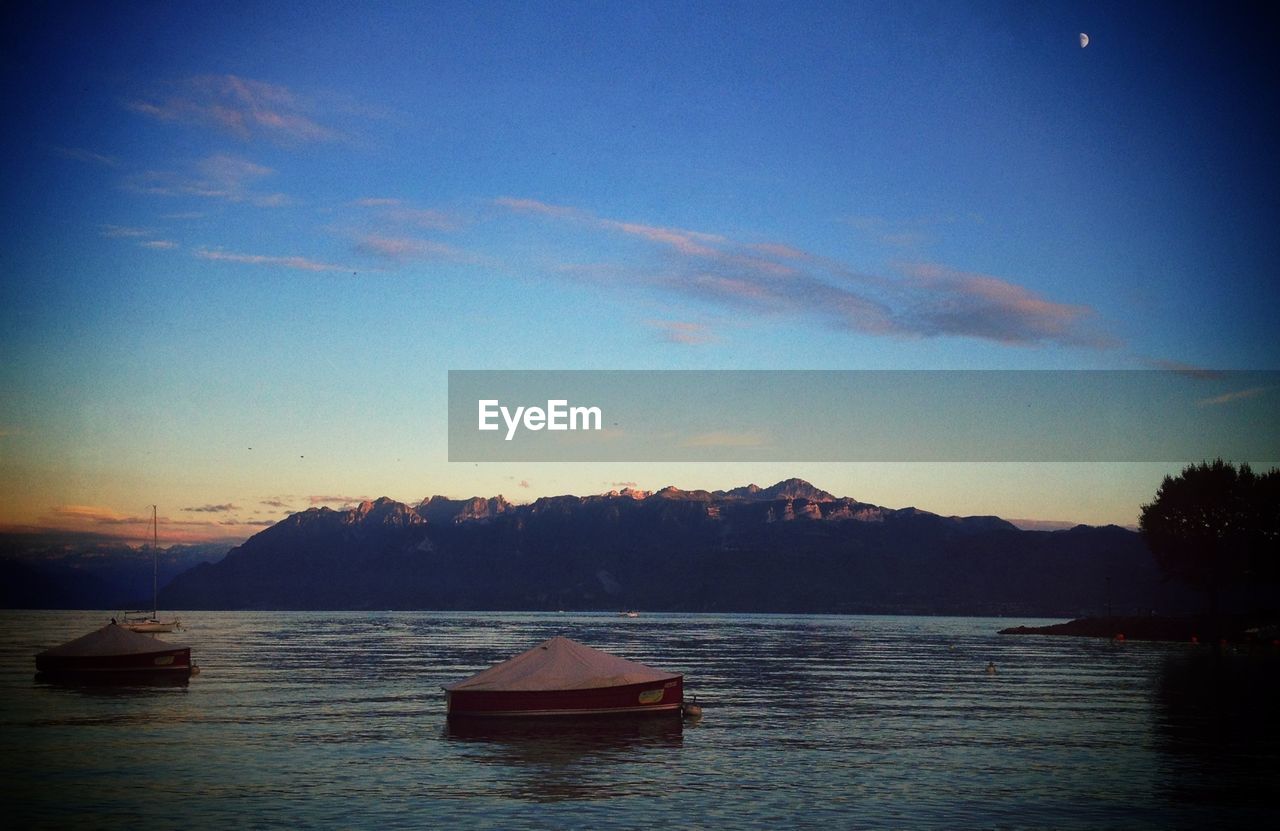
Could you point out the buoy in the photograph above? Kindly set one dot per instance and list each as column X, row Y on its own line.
column 691, row 710
column 991, row 668
column 1118, row 637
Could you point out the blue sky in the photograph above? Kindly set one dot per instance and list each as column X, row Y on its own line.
column 277, row 226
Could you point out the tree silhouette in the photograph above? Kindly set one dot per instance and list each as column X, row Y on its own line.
column 1264, row 558
column 1214, row 526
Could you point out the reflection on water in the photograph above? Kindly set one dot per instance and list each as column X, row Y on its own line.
column 1218, row 722
column 109, row 684
column 571, row 759
column 338, row 720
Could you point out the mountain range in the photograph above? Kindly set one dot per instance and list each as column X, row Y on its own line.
column 790, row 547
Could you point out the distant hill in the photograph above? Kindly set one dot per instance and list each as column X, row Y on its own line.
column 790, row 547
column 86, row 571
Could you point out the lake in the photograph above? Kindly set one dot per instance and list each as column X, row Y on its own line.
column 337, row 720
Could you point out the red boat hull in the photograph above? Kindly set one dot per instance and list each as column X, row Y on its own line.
column 166, row 664
column 662, row 696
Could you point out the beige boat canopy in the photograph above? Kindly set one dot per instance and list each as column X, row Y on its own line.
column 111, row 640
column 561, row 664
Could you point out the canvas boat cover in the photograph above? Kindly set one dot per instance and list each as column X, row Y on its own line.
column 561, row 664
column 111, row 640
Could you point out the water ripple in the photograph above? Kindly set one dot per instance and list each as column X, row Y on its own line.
column 337, row 720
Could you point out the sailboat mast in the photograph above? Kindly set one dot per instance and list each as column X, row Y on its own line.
column 155, row 568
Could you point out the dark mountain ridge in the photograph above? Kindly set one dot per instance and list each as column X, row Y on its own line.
column 46, row 570
column 790, row 547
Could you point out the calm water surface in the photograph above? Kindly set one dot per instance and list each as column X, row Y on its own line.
column 337, row 720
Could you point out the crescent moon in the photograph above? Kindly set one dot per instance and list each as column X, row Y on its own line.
column 1084, row 40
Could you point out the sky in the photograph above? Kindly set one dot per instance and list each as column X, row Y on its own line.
column 246, row 242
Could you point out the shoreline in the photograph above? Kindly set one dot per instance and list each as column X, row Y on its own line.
column 1260, row 628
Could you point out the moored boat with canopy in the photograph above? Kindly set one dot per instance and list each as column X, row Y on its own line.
column 115, row 654
column 561, row 677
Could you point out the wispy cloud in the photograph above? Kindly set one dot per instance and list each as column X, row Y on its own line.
column 949, row 302
column 772, row 278
column 125, row 232
column 533, row 206
column 400, row 249
column 682, row 332
column 694, row 243
column 294, row 262
column 391, row 229
column 336, row 500
column 95, row 515
column 221, row 176
column 159, row 244
column 82, row 155
column 213, row 509
column 243, row 107
column 1227, row 398
column 114, row 524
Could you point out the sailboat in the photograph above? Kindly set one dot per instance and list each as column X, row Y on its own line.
column 138, row 621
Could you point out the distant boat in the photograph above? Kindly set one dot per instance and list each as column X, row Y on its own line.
column 561, row 677
column 114, row 654
column 628, row 614
column 139, row 621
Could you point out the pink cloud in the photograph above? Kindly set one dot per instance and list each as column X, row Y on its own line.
column 244, row 107
column 405, row 248
column 682, row 332
column 536, row 207
column 95, row 515
column 111, row 523
column 1227, row 398
column 686, row 242
column 773, row 278
column 220, row 176
column 976, row 305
